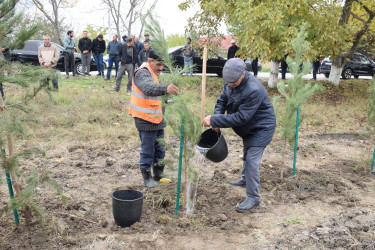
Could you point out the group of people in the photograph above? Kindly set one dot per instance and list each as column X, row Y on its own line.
column 129, row 53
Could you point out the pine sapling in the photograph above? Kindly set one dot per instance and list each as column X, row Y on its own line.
column 296, row 92
column 183, row 107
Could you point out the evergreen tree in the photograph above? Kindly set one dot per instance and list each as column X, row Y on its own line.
column 14, row 110
column 296, row 92
column 182, row 107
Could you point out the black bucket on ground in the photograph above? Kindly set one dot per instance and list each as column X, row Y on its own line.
column 127, row 207
column 213, row 145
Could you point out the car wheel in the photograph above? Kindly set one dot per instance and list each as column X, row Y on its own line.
column 347, row 74
column 178, row 67
column 78, row 68
column 326, row 75
column 356, row 77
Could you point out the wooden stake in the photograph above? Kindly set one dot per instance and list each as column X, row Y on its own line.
column 204, row 70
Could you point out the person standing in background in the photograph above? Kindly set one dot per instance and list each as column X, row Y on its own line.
column 284, row 67
column 128, row 56
column 143, row 55
column 316, row 66
column 70, row 48
column 112, row 50
column 254, row 66
column 98, row 48
column 232, row 50
column 188, row 54
column 48, row 57
column 85, row 45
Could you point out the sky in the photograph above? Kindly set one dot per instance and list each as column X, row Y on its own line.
column 86, row 12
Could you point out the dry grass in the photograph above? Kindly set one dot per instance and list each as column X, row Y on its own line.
column 84, row 111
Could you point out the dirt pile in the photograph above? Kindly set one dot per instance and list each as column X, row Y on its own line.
column 349, row 230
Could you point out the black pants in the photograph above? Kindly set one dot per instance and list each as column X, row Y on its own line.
column 54, row 82
column 69, row 61
column 254, row 66
column 284, row 67
column 316, row 66
column 1, row 89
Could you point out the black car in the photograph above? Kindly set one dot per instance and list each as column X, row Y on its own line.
column 29, row 54
column 215, row 63
column 359, row 65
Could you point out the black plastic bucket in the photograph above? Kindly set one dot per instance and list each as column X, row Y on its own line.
column 127, row 207
column 213, row 145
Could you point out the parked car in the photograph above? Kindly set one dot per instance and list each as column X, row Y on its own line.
column 215, row 63
column 105, row 61
column 359, row 65
column 29, row 54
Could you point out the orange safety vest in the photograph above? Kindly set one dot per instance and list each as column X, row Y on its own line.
column 148, row 108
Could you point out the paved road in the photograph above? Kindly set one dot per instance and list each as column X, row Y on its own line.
column 261, row 75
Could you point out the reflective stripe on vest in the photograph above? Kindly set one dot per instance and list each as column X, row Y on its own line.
column 148, row 108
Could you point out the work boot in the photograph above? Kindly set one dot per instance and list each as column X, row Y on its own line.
column 147, row 179
column 247, row 205
column 240, row 183
column 158, row 170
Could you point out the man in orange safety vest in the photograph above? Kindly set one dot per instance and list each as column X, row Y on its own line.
column 146, row 108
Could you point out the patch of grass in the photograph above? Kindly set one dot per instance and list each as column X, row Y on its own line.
column 266, row 70
column 291, row 221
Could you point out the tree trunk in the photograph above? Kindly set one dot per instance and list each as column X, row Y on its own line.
column 338, row 64
column 274, row 74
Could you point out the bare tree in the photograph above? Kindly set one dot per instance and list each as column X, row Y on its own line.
column 124, row 17
column 53, row 16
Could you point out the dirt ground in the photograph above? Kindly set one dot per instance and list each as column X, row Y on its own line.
column 326, row 205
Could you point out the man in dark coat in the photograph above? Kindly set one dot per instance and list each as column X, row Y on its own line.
column 232, row 50
column 143, row 54
column 98, row 48
column 128, row 56
column 250, row 114
column 284, row 67
column 85, row 45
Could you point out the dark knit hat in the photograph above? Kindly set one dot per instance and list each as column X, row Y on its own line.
column 154, row 56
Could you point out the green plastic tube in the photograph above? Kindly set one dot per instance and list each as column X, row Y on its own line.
column 180, row 166
column 296, row 143
column 16, row 218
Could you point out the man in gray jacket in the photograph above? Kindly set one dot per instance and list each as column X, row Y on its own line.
column 250, row 114
column 70, row 48
column 128, row 56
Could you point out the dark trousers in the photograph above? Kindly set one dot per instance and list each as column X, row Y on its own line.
column 250, row 171
column 152, row 151
column 99, row 63
column 254, row 67
column 69, row 61
column 316, row 66
column 54, row 82
column 111, row 60
column 1, row 89
column 284, row 67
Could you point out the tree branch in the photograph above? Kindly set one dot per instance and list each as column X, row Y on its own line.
column 357, row 17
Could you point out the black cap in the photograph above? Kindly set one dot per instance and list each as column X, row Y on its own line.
column 124, row 37
column 146, row 35
column 154, row 56
column 100, row 36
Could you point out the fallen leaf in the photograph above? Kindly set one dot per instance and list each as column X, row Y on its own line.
column 270, row 165
column 58, row 159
